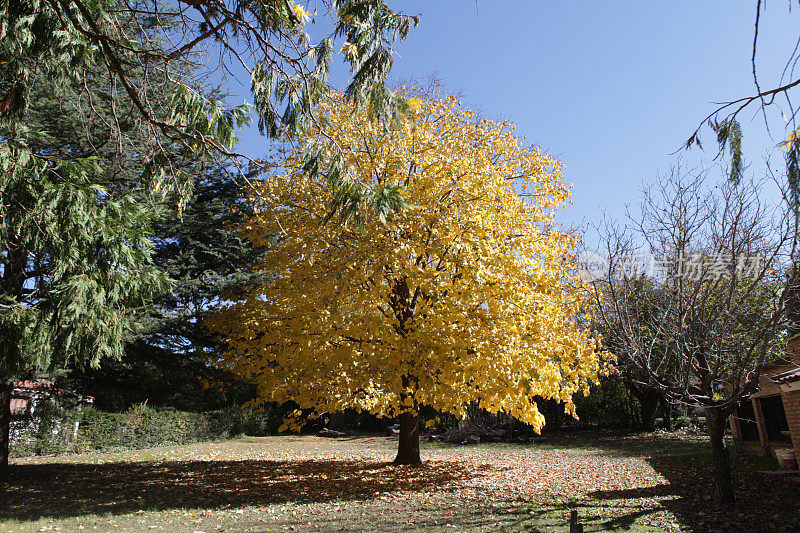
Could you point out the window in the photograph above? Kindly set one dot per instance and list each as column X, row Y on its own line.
column 747, row 421
column 774, row 418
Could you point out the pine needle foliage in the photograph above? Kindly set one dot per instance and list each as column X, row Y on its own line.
column 75, row 236
column 170, row 362
column 144, row 47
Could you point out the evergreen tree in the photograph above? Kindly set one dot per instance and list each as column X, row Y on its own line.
column 143, row 47
column 75, row 249
column 170, row 362
column 73, row 243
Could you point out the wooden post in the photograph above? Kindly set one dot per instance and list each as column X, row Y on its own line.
column 762, row 427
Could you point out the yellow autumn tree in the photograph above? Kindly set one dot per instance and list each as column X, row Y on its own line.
column 469, row 295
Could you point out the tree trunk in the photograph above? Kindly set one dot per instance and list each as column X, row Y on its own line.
column 408, row 447
column 633, row 419
column 5, row 427
column 720, row 456
column 603, row 398
column 667, row 407
column 649, row 404
column 627, row 406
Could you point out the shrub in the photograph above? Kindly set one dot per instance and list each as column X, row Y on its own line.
column 53, row 430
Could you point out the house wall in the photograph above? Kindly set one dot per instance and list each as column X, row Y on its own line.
column 19, row 406
column 793, row 349
column 791, row 405
column 791, row 397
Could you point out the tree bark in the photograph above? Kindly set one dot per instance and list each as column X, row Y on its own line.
column 648, row 401
column 720, row 455
column 633, row 416
column 5, row 427
column 12, row 282
column 667, row 408
column 648, row 404
column 408, row 447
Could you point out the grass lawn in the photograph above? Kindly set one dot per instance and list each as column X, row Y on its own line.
column 307, row 483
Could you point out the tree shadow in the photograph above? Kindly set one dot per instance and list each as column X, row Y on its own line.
column 61, row 490
column 627, row 443
column 655, row 491
column 762, row 503
column 593, row 514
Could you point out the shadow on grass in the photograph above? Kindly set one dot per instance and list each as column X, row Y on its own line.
column 629, row 443
column 762, row 503
column 65, row 490
column 594, row 515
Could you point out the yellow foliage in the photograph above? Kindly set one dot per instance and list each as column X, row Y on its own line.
column 790, row 140
column 414, row 104
column 350, row 51
column 301, row 14
column 471, row 295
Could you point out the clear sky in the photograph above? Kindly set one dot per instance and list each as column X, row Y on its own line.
column 612, row 88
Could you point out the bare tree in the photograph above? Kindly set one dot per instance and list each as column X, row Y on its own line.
column 776, row 94
column 693, row 295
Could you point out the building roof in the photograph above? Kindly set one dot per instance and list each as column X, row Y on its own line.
column 790, row 376
column 23, row 391
column 33, row 384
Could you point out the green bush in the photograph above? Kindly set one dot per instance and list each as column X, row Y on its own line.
column 52, row 430
column 607, row 405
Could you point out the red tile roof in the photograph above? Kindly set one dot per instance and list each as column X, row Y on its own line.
column 24, row 389
column 32, row 384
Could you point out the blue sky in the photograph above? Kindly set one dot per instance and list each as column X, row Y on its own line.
column 612, row 88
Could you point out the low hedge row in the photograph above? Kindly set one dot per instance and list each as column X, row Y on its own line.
column 57, row 431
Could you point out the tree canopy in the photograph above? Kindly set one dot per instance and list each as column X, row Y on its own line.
column 171, row 48
column 468, row 295
column 168, row 359
column 80, row 178
column 711, row 314
column 75, row 241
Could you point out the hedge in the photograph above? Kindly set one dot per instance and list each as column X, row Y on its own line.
column 53, row 430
